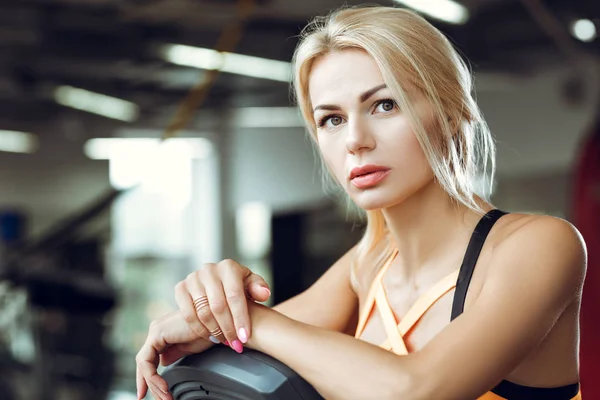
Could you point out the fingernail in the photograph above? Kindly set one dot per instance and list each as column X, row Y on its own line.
column 237, row 346
column 165, row 392
column 226, row 343
column 243, row 335
column 213, row 339
column 267, row 290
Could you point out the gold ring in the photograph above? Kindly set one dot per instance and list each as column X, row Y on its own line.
column 216, row 332
column 200, row 302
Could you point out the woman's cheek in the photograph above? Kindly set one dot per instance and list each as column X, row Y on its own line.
column 334, row 159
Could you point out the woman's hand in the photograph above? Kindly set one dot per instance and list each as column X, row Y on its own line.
column 214, row 305
column 169, row 339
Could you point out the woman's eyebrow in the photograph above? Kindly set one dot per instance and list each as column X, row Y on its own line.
column 363, row 97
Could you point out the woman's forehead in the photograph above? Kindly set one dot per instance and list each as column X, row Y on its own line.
column 345, row 74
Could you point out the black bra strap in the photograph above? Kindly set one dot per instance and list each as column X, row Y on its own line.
column 512, row 391
column 478, row 237
column 505, row 389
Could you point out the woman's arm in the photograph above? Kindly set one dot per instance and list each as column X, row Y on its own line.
column 330, row 303
column 337, row 365
column 534, row 275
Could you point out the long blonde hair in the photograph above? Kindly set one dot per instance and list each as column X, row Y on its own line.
column 411, row 54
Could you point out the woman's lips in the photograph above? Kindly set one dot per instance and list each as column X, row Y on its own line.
column 370, row 179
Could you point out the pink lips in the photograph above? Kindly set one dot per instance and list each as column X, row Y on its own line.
column 368, row 175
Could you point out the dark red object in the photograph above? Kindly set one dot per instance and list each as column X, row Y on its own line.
column 586, row 217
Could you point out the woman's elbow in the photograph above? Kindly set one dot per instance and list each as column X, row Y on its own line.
column 415, row 383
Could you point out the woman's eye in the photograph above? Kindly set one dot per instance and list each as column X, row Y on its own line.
column 386, row 105
column 331, row 121
column 335, row 121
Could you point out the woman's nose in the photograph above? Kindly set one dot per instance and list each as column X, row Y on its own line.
column 359, row 138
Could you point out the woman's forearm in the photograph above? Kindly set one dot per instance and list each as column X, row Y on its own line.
column 337, row 365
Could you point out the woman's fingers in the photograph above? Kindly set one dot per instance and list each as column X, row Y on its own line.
column 147, row 366
column 201, row 302
column 235, row 295
column 186, row 306
column 257, row 288
column 180, row 350
column 219, row 307
column 215, row 299
column 170, row 329
column 140, row 382
column 156, row 395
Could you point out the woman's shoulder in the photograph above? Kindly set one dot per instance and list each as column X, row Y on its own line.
column 546, row 243
column 539, row 230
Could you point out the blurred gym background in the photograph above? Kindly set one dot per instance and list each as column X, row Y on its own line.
column 100, row 216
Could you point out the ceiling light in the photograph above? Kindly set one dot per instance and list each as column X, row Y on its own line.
column 445, row 10
column 232, row 63
column 18, row 142
column 95, row 103
column 584, row 30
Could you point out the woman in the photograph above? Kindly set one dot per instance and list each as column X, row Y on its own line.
column 446, row 297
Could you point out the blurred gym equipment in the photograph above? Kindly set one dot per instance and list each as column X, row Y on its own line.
column 55, row 300
column 222, row 374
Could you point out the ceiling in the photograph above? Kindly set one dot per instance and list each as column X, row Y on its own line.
column 109, row 46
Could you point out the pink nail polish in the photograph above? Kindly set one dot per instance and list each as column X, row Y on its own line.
column 237, row 346
column 243, row 335
column 267, row 290
column 227, row 343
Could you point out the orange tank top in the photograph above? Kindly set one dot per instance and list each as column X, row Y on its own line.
column 459, row 279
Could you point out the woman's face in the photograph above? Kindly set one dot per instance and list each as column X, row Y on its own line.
column 365, row 140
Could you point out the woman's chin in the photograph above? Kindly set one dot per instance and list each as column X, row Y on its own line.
column 371, row 203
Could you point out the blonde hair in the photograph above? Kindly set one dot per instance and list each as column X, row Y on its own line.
column 411, row 54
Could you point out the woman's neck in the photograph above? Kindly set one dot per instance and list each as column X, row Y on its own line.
column 428, row 225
